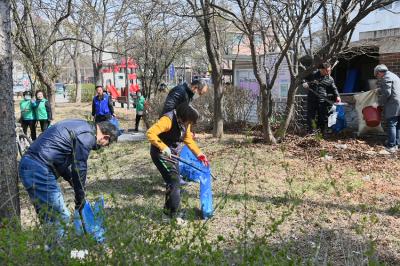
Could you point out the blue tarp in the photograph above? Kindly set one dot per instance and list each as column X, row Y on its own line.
column 203, row 177
column 91, row 220
column 351, row 80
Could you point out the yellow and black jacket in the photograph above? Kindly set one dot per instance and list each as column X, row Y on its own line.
column 167, row 132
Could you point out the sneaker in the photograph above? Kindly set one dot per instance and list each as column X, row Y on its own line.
column 180, row 221
column 391, row 149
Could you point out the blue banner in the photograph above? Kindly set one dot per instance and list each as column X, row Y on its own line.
column 171, row 71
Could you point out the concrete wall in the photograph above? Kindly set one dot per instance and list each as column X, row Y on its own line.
column 381, row 19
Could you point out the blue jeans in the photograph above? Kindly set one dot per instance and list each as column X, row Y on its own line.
column 45, row 194
column 393, row 128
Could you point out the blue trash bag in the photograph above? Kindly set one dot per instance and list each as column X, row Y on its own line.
column 91, row 220
column 203, row 177
column 115, row 122
column 340, row 120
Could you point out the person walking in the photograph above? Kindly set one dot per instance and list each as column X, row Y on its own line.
column 102, row 107
column 139, row 109
column 28, row 118
column 42, row 110
column 388, row 85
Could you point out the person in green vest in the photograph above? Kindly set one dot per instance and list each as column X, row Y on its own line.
column 42, row 110
column 139, row 109
column 27, row 114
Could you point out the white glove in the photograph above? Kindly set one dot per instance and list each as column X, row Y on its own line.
column 166, row 152
column 305, row 85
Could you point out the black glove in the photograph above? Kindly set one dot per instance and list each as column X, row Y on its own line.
column 69, row 180
column 79, row 203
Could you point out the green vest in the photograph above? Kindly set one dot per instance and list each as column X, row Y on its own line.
column 41, row 113
column 140, row 104
column 26, row 110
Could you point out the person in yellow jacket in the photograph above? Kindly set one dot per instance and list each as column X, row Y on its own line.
column 167, row 136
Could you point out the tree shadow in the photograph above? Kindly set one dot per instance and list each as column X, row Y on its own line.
column 284, row 200
column 326, row 246
column 146, row 186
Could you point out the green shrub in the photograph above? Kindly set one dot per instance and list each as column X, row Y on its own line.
column 87, row 92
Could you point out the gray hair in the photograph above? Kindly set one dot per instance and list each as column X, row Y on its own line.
column 380, row 68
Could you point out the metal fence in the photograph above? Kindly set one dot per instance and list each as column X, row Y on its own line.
column 299, row 120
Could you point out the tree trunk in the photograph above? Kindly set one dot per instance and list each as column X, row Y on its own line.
column 266, row 109
column 96, row 69
column 9, row 197
column 214, row 56
column 218, row 127
column 266, row 97
column 289, row 111
column 77, row 69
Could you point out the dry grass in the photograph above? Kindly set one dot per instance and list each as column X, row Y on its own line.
column 335, row 208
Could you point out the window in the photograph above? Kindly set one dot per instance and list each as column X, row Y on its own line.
column 237, row 39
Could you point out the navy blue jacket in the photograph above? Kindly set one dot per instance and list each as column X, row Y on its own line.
column 179, row 94
column 64, row 148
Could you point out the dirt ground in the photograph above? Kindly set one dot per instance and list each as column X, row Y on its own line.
column 332, row 201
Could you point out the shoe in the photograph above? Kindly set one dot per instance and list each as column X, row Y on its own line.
column 181, row 222
column 391, row 149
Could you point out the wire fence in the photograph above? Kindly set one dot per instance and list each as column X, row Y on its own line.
column 298, row 123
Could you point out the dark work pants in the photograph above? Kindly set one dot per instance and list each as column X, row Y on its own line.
column 101, row 118
column 317, row 112
column 32, row 126
column 44, row 124
column 138, row 117
column 170, row 174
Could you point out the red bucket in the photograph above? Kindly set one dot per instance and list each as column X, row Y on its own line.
column 372, row 116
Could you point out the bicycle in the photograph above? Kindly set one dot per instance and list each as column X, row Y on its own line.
column 22, row 140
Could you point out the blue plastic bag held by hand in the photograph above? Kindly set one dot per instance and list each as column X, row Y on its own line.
column 203, row 177
column 115, row 122
column 337, row 120
column 91, row 220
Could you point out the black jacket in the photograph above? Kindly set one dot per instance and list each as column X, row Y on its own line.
column 64, row 148
column 322, row 85
column 179, row 94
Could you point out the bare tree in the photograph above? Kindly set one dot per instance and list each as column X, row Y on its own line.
column 288, row 21
column 73, row 27
column 104, row 18
column 247, row 18
column 159, row 38
column 9, row 200
column 339, row 19
column 35, row 34
column 204, row 12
